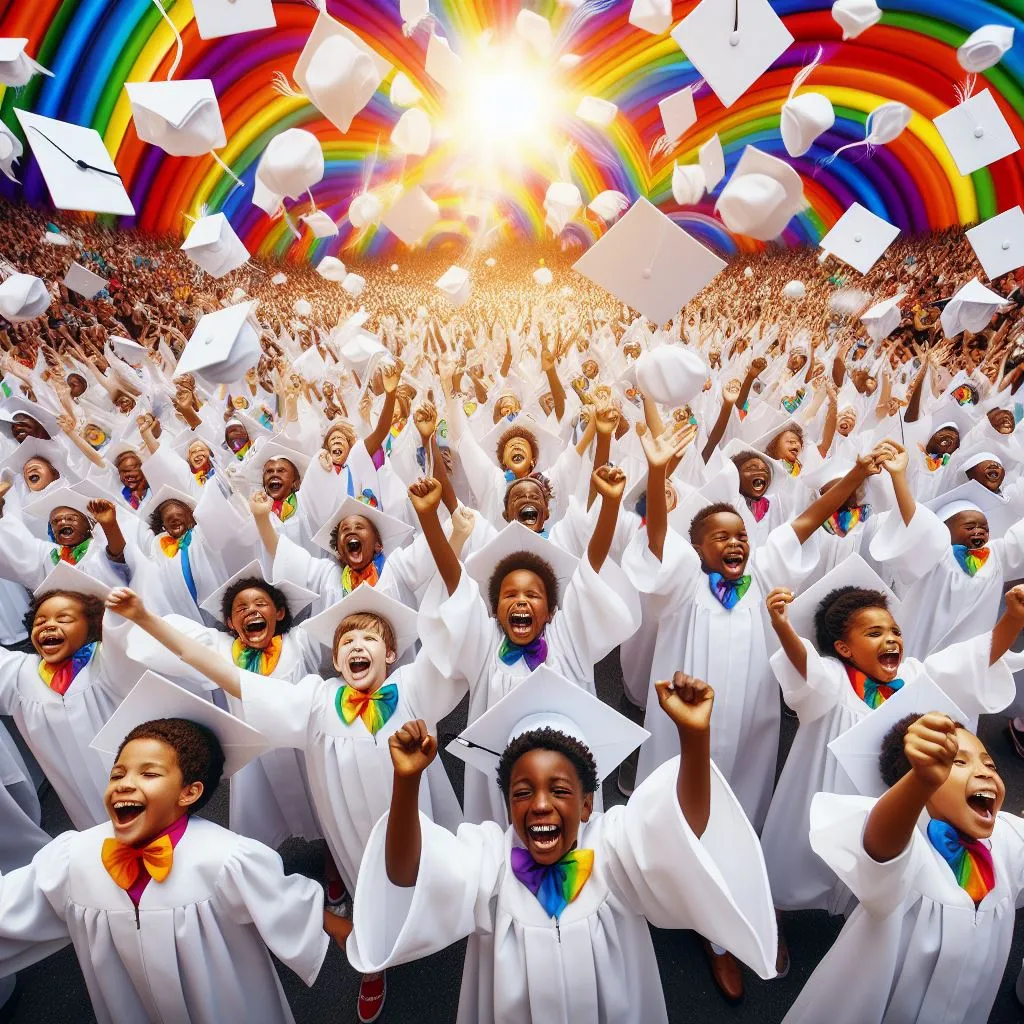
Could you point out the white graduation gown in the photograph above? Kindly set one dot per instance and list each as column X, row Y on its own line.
column 728, row 649
column 596, row 963
column 20, row 835
column 462, row 638
column 160, row 581
column 349, row 768
column 916, row 951
column 195, row 951
column 827, row 706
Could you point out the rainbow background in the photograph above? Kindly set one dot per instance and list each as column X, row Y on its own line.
column 94, row 46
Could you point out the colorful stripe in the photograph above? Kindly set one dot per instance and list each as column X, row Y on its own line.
column 59, row 677
column 970, row 559
column 373, row 708
column 171, row 547
column 351, row 578
column 934, row 462
column 970, row 860
column 873, row 694
column 72, row 556
column 286, row 507
column 253, row 659
column 728, row 592
column 555, row 885
column 840, row 523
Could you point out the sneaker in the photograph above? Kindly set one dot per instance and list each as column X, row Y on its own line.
column 372, row 990
column 336, row 899
column 1016, row 729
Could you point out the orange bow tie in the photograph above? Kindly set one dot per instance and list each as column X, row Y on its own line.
column 122, row 861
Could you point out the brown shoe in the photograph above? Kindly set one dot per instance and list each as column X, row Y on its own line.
column 726, row 972
column 782, row 956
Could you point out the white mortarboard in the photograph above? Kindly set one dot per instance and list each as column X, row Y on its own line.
column 806, row 116
column 984, row 48
column 546, row 699
column 403, row 93
column 650, row 263
column 37, row 448
column 367, row 600
column 365, row 210
column 60, row 495
column 671, row 374
column 354, row 284
column 154, row 697
column 712, row 162
column 762, row 196
column 166, row 492
column 413, row 132
column 216, row 18
column 970, row 309
column 688, row 184
column 331, row 269
column 213, row 245
column 678, row 114
column 860, row 238
column 535, row 30
column 84, row 281
column 23, row 297
column 883, row 318
column 412, row 216
column 853, row 571
column 298, row 598
column 274, row 449
column 513, row 539
column 608, row 205
column 562, row 202
column 338, row 72
column 17, row 68
column 362, row 352
column 279, row 279
column 543, row 276
column 443, row 66
column 654, row 16
column 596, row 111
column 320, row 223
column 732, row 44
column 855, row 16
column 182, row 118
column 999, row 243
column 549, row 444
column 857, row 750
column 76, row 166
column 223, row 345
column 127, row 349
column 973, row 497
column 976, row 133
column 269, row 202
column 67, row 577
column 455, row 284
column 11, row 151
column 392, row 531
column 794, row 290
column 291, row 164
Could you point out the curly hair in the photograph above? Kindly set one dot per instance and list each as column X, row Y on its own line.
column 790, row 428
column 578, row 755
column 513, row 432
column 156, row 521
column 199, row 753
column 257, row 583
column 531, row 563
column 892, row 759
column 337, row 529
column 539, row 479
column 369, row 622
column 705, row 514
column 740, row 459
column 832, row 619
column 92, row 609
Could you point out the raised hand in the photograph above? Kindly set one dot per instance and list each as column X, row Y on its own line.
column 898, row 459
column 731, row 392
column 412, row 749
column 670, row 444
column 126, row 603
column 425, row 494
column 687, row 701
column 102, row 511
column 778, row 602
column 324, row 458
column 607, row 418
column 609, row 481
column 425, row 418
column 463, row 521
column 1015, row 602
column 260, row 504
column 930, row 745
column 390, row 376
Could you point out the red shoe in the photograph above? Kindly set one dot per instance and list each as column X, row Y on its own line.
column 372, row 990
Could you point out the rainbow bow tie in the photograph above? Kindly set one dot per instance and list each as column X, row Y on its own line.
column 535, row 652
column 969, row 859
column 873, row 693
column 728, row 592
column 555, row 885
column 124, row 862
column 373, row 708
column 970, row 559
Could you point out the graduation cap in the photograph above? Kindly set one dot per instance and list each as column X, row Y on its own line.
column 37, row 448
column 535, row 30
column 999, row 243
column 973, row 497
column 338, row 72
column 596, row 111
column 217, row 18
column 23, row 297
column 83, row 281
column 711, row 158
column 17, row 68
column 678, row 114
column 16, row 405
column 688, row 184
column 298, row 598
column 273, row 449
column 513, row 539
column 125, row 348
column 412, row 133
column 223, row 345
column 154, row 697
column 182, row 118
column 859, row 238
column 392, row 531
column 443, row 66
column 883, row 318
column 976, row 133
column 320, row 224
column 732, row 44
column 805, row 116
column 855, row 17
column 64, row 576
column 353, row 284
column 75, row 165
column 455, row 284
column 62, row 495
column 671, row 374
column 11, row 151
column 547, row 700
column 984, row 48
column 331, row 269
column 412, row 216
column 365, row 210
column 403, row 93
column 292, row 163
column 213, row 245
column 365, row 600
column 650, row 263
column 970, row 309
column 549, row 445
column 654, row 16
column 165, row 492
column 857, row 750
column 762, row 196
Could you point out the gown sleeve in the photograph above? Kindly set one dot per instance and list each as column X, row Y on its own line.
column 277, row 709
column 674, row 577
column 457, row 631
column 24, row 558
column 10, row 666
column 782, row 561
column 143, row 648
column 485, row 479
column 817, row 694
column 717, row 884
column 1010, row 549
column 119, row 672
column 908, row 552
column 286, row 910
column 294, row 563
column 963, row 673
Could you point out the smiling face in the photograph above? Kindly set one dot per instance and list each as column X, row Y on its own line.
column 124, row 402
column 69, row 526
column 1002, row 421
column 280, row 478
column 546, row 804
column 972, row 796
column 722, row 545
column 872, row 643
column 60, row 627
column 788, row 445
column 358, row 541
column 517, row 455
column 146, row 793
column 236, row 436
column 522, row 610
column 526, row 503
column 362, row 657
column 77, row 385
column 846, row 422
column 944, row 441
column 38, row 473
column 754, row 478
column 337, row 447
column 969, row 529
column 988, row 473
column 254, row 617
column 508, row 405
column 177, row 518
column 198, row 456
column 129, row 469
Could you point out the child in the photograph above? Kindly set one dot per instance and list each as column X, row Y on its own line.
column 154, row 897
column 556, row 905
column 492, row 644
column 935, row 922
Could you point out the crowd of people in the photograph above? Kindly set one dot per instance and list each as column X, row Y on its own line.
column 280, row 549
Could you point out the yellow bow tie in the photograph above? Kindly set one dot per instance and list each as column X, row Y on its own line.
column 122, row 860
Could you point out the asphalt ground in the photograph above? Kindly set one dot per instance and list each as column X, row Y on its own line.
column 53, row 991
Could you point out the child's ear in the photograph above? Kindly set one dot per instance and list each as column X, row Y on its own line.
column 190, row 794
column 588, row 807
column 281, row 612
column 391, row 657
column 842, row 649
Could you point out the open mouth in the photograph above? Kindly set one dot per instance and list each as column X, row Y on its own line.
column 890, row 660
column 126, row 811
column 528, row 515
column 353, row 545
column 983, row 803
column 65, row 533
column 274, row 485
column 34, row 477
column 759, row 483
column 359, row 666
column 255, row 626
column 51, row 642
column 733, row 561
column 520, row 623
column 517, row 458
column 543, row 837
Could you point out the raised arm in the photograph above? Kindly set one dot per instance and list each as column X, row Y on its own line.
column 105, row 513
column 831, row 418
column 896, row 467
column 832, row 500
column 550, row 368
column 1008, row 628
column 391, row 375
column 607, row 419
column 412, row 749
column 610, row 483
column 659, row 452
column 778, row 602
column 262, row 508
column 688, row 702
column 425, row 418
column 425, row 495
column 730, row 396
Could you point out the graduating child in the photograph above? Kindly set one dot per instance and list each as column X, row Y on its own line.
column 938, row 871
column 556, row 905
column 155, row 900
column 529, row 616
